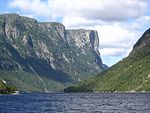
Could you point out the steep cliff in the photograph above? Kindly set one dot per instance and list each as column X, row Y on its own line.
column 143, row 41
column 131, row 74
column 47, row 52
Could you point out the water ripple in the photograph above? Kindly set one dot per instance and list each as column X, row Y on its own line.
column 76, row 103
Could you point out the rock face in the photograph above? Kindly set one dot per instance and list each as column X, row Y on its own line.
column 143, row 41
column 131, row 74
column 48, row 50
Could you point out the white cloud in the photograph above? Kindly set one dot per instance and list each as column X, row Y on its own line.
column 119, row 22
column 112, row 51
column 116, row 37
column 100, row 9
column 112, row 10
column 37, row 7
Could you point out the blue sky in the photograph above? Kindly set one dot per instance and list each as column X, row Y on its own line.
column 119, row 23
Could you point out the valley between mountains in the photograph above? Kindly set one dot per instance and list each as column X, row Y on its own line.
column 131, row 74
column 47, row 57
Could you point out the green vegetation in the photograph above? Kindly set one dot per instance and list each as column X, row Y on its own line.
column 29, row 82
column 40, row 56
column 5, row 89
column 132, row 74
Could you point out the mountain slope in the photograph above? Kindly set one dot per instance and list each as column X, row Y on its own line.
column 41, row 56
column 5, row 89
column 130, row 74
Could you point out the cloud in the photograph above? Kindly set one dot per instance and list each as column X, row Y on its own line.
column 114, row 10
column 116, row 39
column 113, row 52
column 37, row 7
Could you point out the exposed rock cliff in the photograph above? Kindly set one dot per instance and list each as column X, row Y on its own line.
column 131, row 74
column 48, row 50
column 143, row 41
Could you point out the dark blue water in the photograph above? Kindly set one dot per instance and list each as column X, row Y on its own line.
column 75, row 103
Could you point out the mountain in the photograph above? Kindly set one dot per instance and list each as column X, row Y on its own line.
column 131, row 74
column 44, row 56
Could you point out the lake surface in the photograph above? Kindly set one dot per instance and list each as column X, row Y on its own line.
column 75, row 103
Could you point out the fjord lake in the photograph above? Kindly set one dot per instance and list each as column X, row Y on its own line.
column 75, row 103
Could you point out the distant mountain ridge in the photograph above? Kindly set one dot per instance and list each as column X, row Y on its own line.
column 44, row 56
column 131, row 74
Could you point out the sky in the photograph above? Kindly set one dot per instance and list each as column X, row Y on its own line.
column 120, row 23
